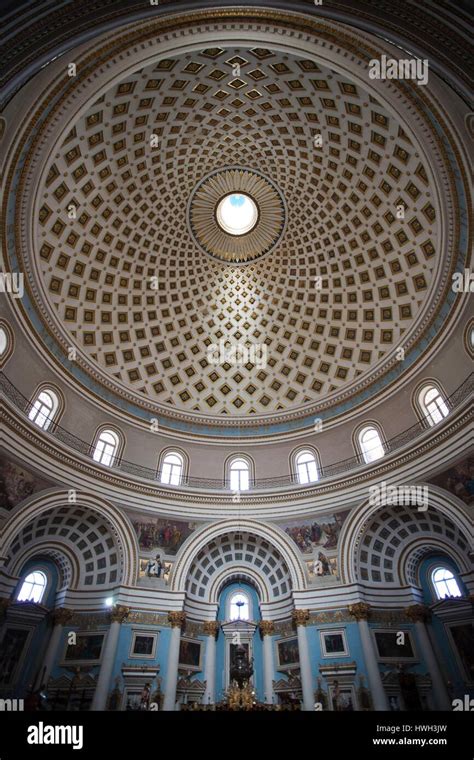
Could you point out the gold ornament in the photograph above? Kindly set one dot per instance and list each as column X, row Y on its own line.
column 119, row 613
column 300, row 617
column 177, row 619
column 240, row 698
column 267, row 627
column 360, row 611
column 61, row 616
column 211, row 628
column 418, row 613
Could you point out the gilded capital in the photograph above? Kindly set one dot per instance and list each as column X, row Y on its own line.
column 119, row 614
column 211, row 628
column 418, row 613
column 360, row 611
column 300, row 617
column 61, row 616
column 267, row 627
column 177, row 619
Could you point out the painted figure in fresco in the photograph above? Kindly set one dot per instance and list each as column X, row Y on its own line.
column 15, row 485
column 459, row 480
column 332, row 531
column 315, row 533
column 325, row 535
column 150, row 568
column 161, row 533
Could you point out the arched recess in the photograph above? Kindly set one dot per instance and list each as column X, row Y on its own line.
column 199, row 541
column 445, row 524
column 419, row 550
column 238, row 552
column 66, row 561
column 48, row 523
column 242, row 579
column 247, row 576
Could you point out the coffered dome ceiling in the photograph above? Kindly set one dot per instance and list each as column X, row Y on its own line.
column 142, row 294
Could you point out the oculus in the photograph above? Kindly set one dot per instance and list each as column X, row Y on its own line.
column 237, row 214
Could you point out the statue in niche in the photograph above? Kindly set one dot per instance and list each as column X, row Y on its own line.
column 115, row 697
column 241, row 669
column 150, row 568
column 158, row 566
column 154, row 567
column 145, row 697
column 322, row 565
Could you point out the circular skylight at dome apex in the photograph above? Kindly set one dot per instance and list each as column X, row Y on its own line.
column 237, row 214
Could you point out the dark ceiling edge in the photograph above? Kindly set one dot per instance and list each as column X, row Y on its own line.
column 33, row 32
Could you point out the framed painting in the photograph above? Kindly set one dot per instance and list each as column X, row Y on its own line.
column 12, row 652
column 333, row 643
column 143, row 645
column 288, row 655
column 87, row 649
column 392, row 647
column 462, row 639
column 190, row 654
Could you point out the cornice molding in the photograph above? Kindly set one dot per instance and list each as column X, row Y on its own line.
column 61, row 464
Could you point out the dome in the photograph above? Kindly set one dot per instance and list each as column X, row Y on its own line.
column 339, row 265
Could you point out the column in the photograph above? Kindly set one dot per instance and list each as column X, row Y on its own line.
column 177, row 620
column 361, row 613
column 300, row 618
column 211, row 629
column 420, row 615
column 117, row 616
column 60, row 617
column 267, row 628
